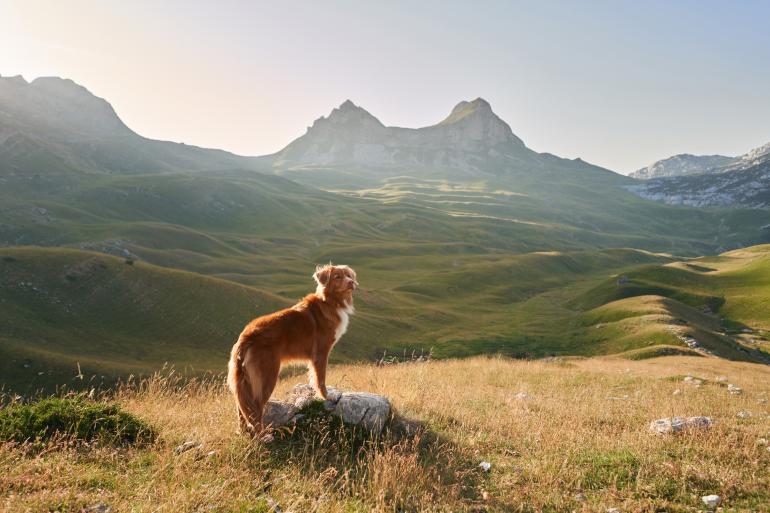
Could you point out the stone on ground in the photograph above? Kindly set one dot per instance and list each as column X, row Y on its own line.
column 363, row 409
column 680, row 424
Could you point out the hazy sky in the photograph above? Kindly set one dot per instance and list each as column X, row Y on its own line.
column 619, row 84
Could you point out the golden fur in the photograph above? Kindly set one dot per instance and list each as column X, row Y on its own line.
column 307, row 331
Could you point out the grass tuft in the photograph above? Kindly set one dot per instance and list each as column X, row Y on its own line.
column 72, row 417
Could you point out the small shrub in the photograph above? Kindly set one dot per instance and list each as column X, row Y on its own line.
column 72, row 417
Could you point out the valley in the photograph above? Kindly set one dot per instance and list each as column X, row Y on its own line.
column 465, row 241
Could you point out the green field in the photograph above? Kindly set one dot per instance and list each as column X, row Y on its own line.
column 521, row 258
column 66, row 309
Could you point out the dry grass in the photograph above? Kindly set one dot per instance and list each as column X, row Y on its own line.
column 584, row 431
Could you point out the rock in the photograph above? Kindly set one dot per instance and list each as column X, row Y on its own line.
column 677, row 392
column 693, row 381
column 369, row 411
column 734, row 390
column 187, row 446
column 711, row 501
column 680, row 424
column 581, row 497
column 485, row 466
column 613, row 510
column 721, row 379
column 273, row 506
column 98, row 508
column 744, row 414
column 278, row 413
column 523, row 396
column 762, row 401
column 363, row 409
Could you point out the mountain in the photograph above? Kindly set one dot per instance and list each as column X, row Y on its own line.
column 681, row 165
column 743, row 181
column 53, row 126
column 747, row 187
column 686, row 164
column 472, row 138
column 465, row 240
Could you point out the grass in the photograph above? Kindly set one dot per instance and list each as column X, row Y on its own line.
column 70, row 313
column 72, row 418
column 471, row 414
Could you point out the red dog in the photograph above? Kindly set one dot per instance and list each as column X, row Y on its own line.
column 307, row 331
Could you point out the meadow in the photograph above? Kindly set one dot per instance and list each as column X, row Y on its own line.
column 69, row 313
column 560, row 435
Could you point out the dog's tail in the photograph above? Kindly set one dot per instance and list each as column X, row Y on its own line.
column 239, row 382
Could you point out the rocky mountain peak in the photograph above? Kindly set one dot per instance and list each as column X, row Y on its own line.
column 15, row 80
column 476, row 121
column 757, row 154
column 466, row 109
column 348, row 116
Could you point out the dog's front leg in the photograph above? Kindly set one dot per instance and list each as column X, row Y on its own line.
column 318, row 372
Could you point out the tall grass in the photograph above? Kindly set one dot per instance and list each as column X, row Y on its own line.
column 576, row 440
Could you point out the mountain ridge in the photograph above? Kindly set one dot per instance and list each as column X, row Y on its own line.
column 470, row 133
column 686, row 164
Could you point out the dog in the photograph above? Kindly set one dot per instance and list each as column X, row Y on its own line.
column 305, row 332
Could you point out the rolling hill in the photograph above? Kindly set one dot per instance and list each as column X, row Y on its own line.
column 69, row 311
column 466, row 241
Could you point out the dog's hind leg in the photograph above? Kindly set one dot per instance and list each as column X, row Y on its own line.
column 264, row 369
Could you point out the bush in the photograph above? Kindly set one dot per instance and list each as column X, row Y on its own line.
column 73, row 417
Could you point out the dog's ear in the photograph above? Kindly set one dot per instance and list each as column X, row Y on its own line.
column 322, row 274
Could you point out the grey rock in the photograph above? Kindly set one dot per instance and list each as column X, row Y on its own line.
column 364, row 409
column 278, row 413
column 187, row 446
column 712, row 501
column 369, row 411
column 734, row 390
column 680, row 424
column 744, row 414
column 98, row 508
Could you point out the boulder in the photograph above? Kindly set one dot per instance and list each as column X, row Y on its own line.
column 734, row 390
column 711, row 501
column 363, row 409
column 680, row 424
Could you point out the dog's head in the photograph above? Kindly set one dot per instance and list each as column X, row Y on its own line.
column 335, row 281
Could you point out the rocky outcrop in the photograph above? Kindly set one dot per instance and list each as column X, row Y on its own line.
column 362, row 409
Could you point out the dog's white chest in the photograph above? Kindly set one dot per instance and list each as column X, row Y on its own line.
column 342, row 327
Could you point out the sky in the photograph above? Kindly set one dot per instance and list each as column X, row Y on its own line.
column 618, row 83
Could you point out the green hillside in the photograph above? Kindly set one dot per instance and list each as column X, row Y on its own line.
column 116, row 317
column 720, row 302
